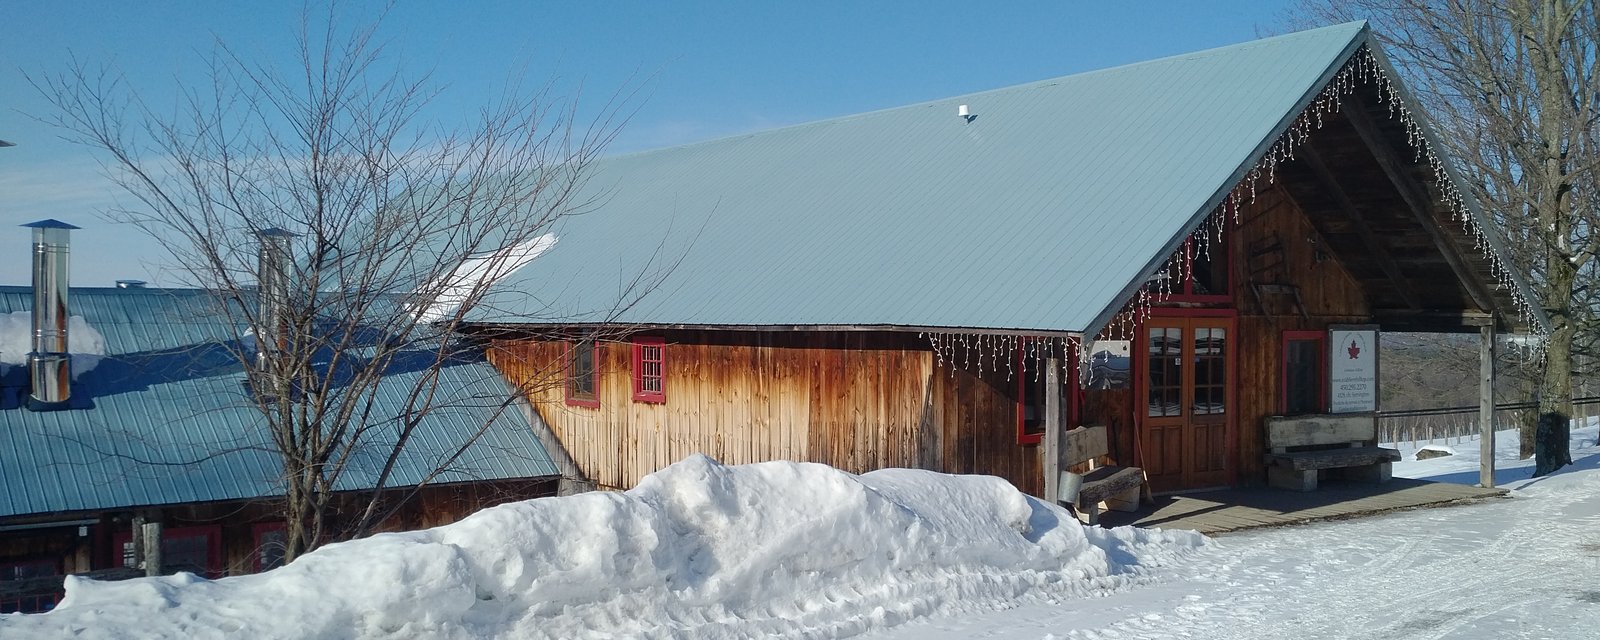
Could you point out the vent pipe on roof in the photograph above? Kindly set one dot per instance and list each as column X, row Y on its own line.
column 130, row 284
column 272, row 290
column 49, row 365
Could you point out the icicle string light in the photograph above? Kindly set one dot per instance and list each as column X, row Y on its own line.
column 1361, row 70
column 1005, row 353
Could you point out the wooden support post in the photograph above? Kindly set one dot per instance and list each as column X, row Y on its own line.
column 152, row 548
column 136, row 538
column 1486, row 407
column 1052, row 429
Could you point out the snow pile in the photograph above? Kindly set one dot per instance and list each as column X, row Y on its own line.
column 16, row 342
column 696, row 550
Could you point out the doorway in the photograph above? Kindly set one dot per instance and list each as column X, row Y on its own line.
column 1186, row 416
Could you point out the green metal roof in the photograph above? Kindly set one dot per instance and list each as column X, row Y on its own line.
column 1043, row 212
column 165, row 418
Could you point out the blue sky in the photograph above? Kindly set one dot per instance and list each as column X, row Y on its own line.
column 706, row 70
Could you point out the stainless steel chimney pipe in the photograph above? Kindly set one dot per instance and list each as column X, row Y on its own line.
column 272, row 288
column 49, row 365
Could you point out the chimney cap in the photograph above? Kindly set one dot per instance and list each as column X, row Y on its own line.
column 275, row 232
column 50, row 223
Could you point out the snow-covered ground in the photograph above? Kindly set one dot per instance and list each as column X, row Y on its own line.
column 701, row 550
column 1525, row 567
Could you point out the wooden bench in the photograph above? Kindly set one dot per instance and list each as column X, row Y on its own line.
column 1118, row 487
column 1304, row 448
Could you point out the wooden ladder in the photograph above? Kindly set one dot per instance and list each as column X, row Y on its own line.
column 1268, row 275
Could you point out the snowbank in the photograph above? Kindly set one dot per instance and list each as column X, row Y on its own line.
column 696, row 550
column 16, row 340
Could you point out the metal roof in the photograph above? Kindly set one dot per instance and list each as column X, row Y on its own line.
column 1037, row 213
column 170, row 421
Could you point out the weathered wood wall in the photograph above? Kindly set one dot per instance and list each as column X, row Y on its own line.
column 857, row 401
column 1328, row 294
column 975, row 416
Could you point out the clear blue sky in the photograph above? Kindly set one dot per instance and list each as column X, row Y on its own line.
column 708, row 69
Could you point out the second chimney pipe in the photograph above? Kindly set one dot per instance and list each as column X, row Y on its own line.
column 49, row 365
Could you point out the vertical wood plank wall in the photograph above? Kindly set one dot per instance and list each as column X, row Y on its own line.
column 854, row 400
column 1327, row 291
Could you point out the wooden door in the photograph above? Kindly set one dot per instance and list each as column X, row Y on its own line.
column 1186, row 426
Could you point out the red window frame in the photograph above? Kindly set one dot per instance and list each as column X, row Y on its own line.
column 1321, row 338
column 1069, row 395
column 647, row 369
column 212, row 534
column 1184, row 291
column 32, row 602
column 590, row 399
column 259, row 531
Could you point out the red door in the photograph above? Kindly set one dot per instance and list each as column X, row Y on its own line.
column 1186, row 426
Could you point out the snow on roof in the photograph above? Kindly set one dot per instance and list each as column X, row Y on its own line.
column 696, row 550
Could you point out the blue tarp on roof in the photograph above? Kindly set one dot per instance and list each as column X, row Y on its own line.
column 1038, row 213
column 170, row 421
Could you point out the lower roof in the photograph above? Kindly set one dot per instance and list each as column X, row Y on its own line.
column 164, row 418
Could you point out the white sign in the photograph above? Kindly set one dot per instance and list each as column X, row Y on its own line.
column 1353, row 370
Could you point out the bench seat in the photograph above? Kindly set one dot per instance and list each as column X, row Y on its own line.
column 1107, row 482
column 1332, row 458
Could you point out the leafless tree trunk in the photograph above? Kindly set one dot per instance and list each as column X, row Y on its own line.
column 391, row 231
column 1514, row 84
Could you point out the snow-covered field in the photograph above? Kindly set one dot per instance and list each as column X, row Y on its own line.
column 701, row 550
column 1525, row 567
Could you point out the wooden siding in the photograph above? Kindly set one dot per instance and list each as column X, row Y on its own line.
column 857, row 401
column 976, row 415
column 1328, row 294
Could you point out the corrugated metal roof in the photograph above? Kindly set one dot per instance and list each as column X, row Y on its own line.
column 1037, row 214
column 170, row 421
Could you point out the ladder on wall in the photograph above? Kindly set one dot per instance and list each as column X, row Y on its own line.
column 1269, row 276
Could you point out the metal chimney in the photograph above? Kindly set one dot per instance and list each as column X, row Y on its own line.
column 49, row 365
column 272, row 289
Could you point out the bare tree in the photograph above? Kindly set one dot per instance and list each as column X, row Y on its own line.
column 1515, row 84
column 342, row 235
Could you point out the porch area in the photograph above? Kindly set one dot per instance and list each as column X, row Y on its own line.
column 1226, row 511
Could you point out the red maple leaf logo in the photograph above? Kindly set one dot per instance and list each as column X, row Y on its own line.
column 1353, row 350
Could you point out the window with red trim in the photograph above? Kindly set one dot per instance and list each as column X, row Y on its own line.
column 582, row 381
column 197, row 550
column 649, row 370
column 1204, row 274
column 30, row 602
column 272, row 545
column 1304, row 387
column 1031, row 396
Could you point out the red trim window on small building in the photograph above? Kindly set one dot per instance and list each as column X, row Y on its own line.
column 649, row 370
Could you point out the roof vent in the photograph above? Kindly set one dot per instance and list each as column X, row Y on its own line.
column 964, row 113
column 130, row 284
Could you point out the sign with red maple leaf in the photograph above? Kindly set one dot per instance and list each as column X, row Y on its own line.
column 1353, row 369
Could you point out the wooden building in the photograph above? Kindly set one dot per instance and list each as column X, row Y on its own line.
column 160, row 430
column 889, row 290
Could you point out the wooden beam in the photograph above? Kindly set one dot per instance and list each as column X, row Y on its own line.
column 1486, row 408
column 1416, row 199
column 1379, row 253
column 1052, row 429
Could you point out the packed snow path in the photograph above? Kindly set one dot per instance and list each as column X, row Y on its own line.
column 1524, row 567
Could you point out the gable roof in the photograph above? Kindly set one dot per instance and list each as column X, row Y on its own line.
column 170, row 421
column 1044, row 211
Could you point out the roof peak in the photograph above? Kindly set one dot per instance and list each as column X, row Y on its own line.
column 1354, row 29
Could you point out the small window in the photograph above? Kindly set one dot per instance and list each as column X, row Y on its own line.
column 581, row 391
column 1305, row 383
column 1031, row 398
column 272, row 545
column 1204, row 276
column 649, row 372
